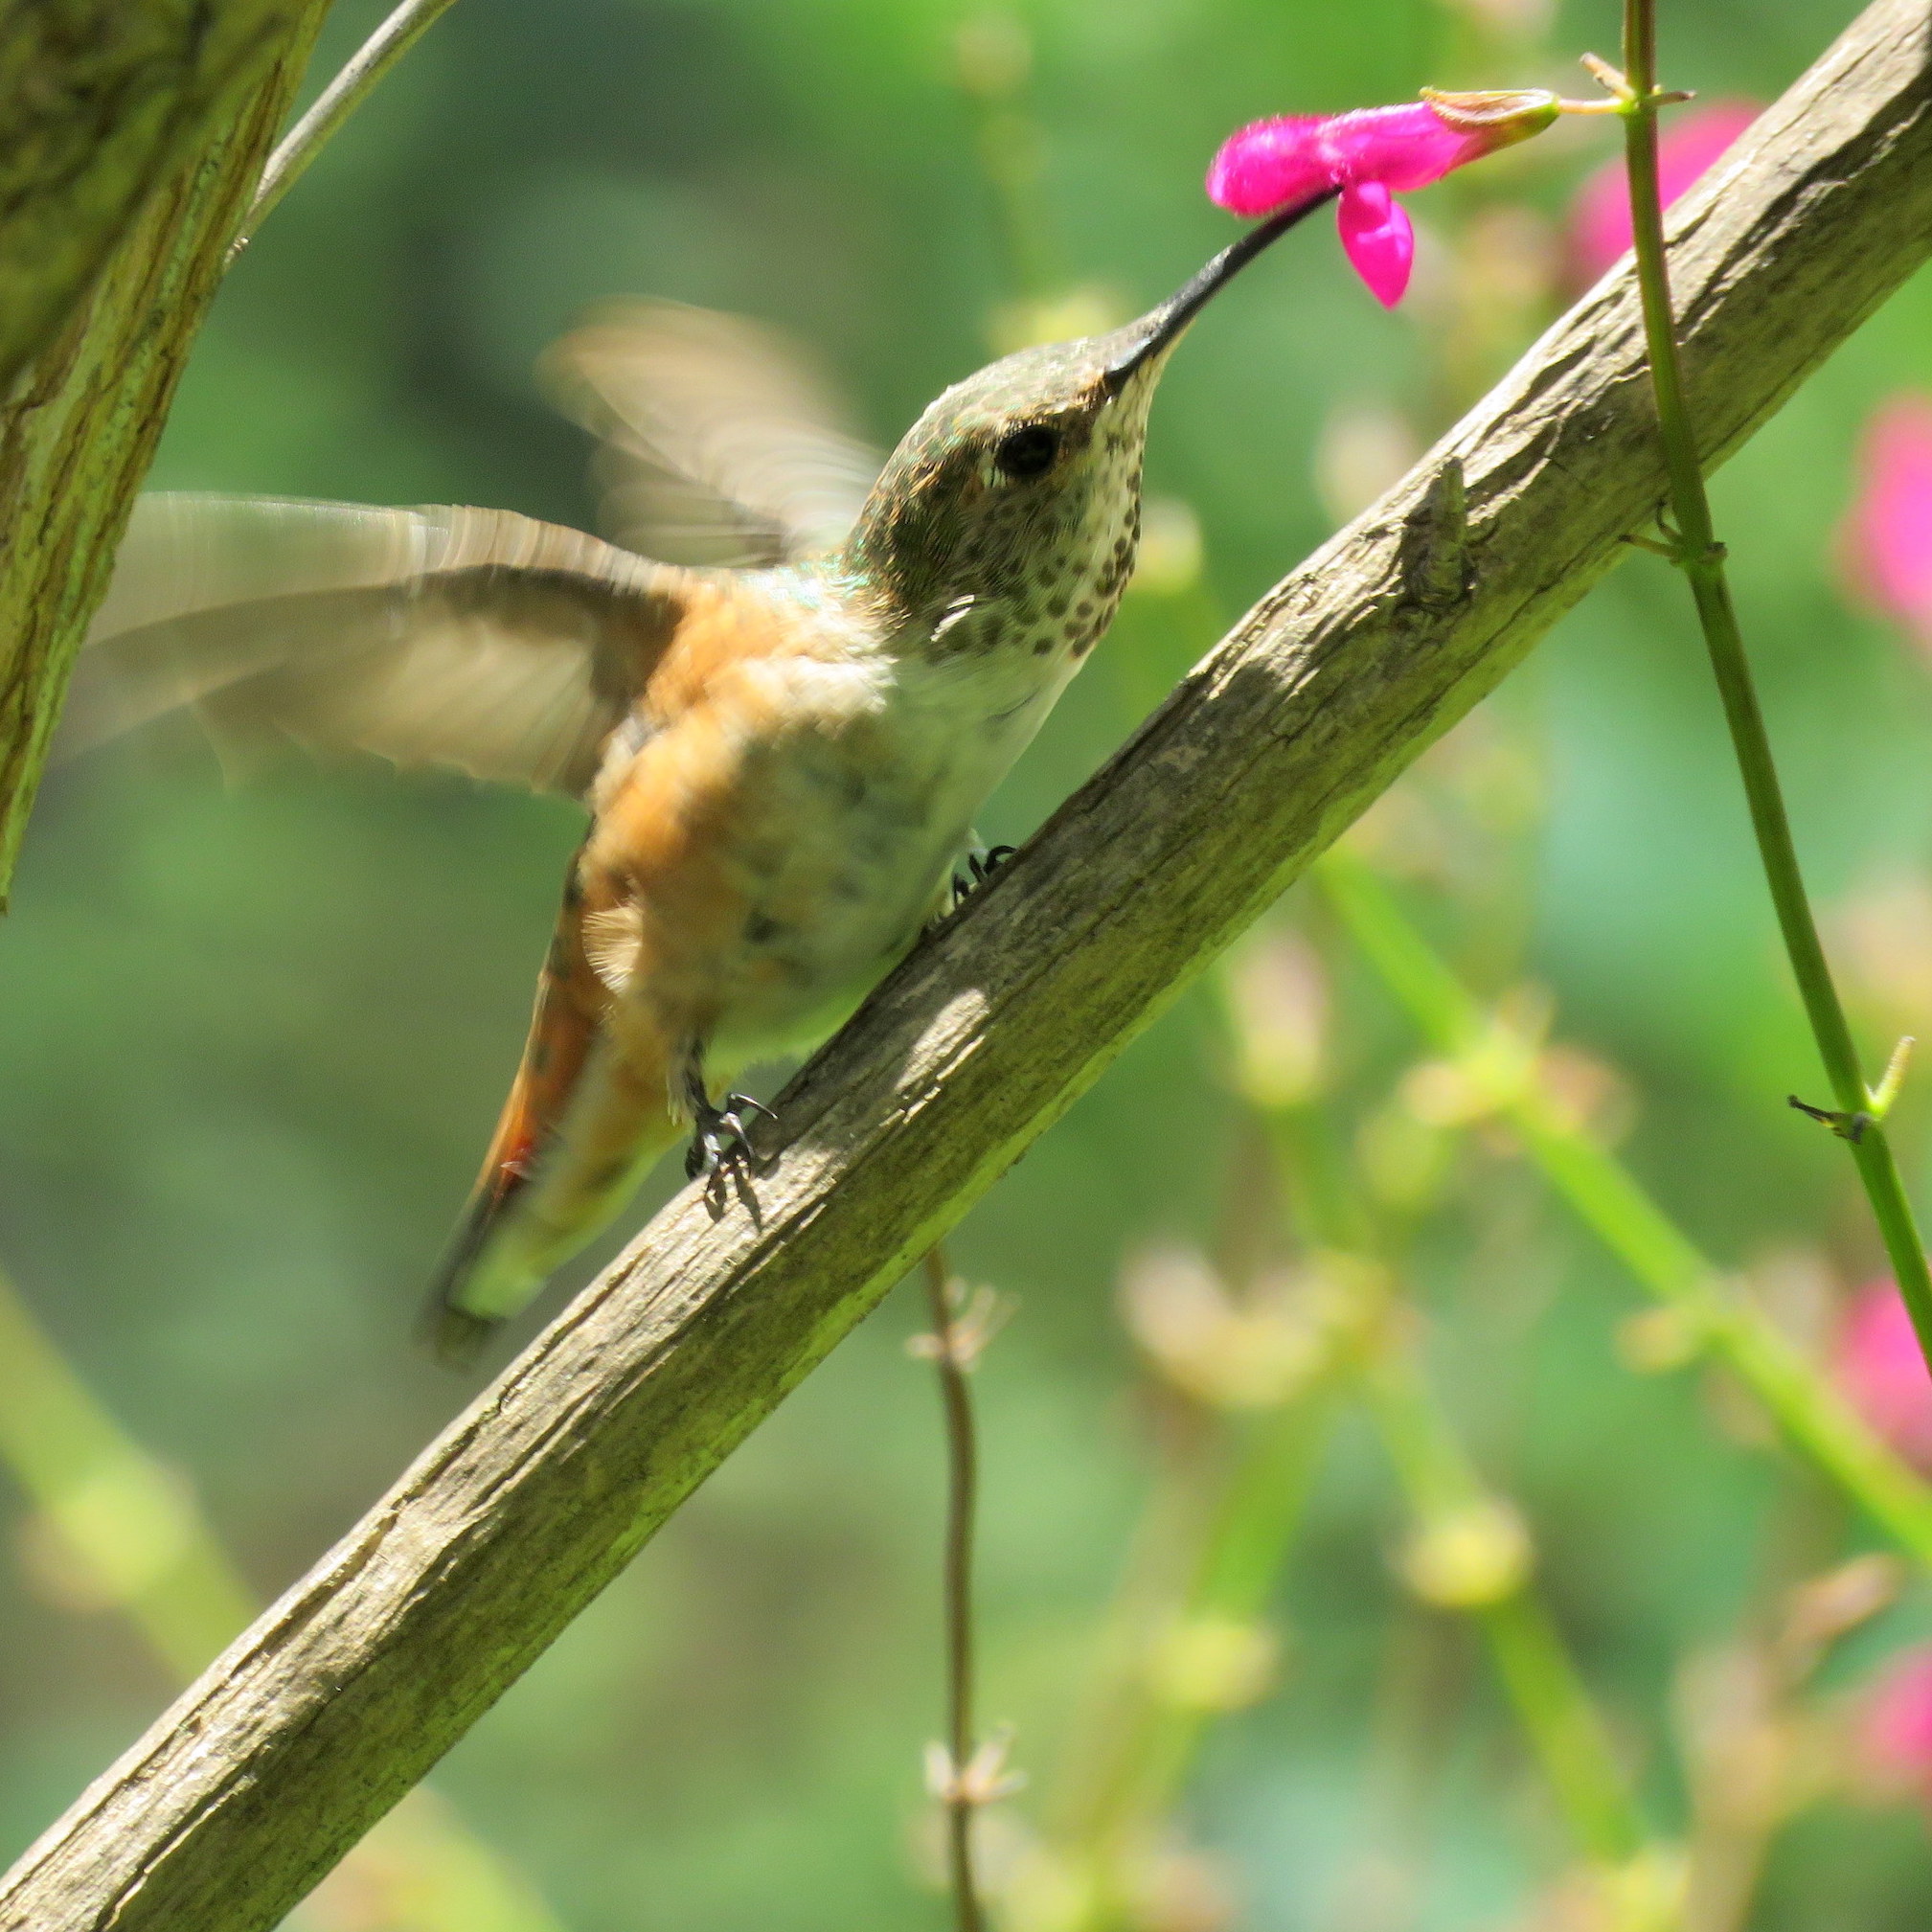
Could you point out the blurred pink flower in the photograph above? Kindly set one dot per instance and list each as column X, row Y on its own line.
column 1887, row 538
column 1599, row 218
column 1883, row 1373
column 1894, row 1737
column 1369, row 156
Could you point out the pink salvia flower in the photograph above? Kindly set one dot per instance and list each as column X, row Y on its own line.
column 1599, row 219
column 1894, row 1738
column 1887, row 538
column 1883, row 1373
column 1368, row 157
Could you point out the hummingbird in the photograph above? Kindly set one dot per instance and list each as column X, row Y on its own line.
column 781, row 740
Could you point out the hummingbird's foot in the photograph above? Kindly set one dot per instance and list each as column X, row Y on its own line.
column 720, row 1151
column 981, row 867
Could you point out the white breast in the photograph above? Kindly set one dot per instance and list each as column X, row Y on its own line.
column 873, row 796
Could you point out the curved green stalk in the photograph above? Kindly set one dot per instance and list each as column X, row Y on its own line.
column 1695, row 549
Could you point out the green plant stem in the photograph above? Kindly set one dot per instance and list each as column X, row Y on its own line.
column 1701, row 558
column 1542, row 1683
column 1252, row 1507
column 1539, row 1677
column 126, row 1527
column 1610, row 1202
column 961, row 1495
column 332, row 106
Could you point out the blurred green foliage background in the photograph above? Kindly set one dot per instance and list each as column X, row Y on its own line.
column 252, row 1040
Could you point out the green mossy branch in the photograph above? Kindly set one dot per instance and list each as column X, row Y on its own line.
column 136, row 131
column 101, row 100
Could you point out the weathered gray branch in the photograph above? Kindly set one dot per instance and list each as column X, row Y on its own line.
column 345, row 1693
column 135, row 136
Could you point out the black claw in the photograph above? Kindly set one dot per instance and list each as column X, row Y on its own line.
column 982, row 865
column 721, row 1149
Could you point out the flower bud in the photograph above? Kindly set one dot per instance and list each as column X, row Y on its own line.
column 1470, row 1557
column 1215, row 1664
column 1498, row 117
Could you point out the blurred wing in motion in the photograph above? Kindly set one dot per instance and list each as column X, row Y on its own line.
column 473, row 638
column 721, row 444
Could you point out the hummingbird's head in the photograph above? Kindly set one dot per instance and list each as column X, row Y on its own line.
column 1008, row 518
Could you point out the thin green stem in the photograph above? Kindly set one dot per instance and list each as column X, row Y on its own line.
column 1153, row 1732
column 1701, row 558
column 332, row 106
column 1612, row 1203
column 1548, row 1694
column 1540, row 1678
column 1563, row 1726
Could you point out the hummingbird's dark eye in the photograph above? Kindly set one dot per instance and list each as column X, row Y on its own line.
column 1026, row 452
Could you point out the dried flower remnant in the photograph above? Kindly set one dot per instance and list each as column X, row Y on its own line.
column 1887, row 538
column 1599, row 219
column 1227, row 1354
column 1279, row 1001
column 1215, row 1663
column 1368, row 157
column 1882, row 1372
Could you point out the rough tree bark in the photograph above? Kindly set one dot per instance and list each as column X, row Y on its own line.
column 343, row 1695
column 136, row 131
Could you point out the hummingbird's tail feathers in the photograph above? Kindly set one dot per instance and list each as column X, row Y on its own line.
column 479, row 639
column 515, row 1236
column 476, row 1289
column 722, row 443
column 453, row 1332
column 588, row 1112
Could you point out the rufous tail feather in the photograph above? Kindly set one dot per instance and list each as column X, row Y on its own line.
column 582, row 1121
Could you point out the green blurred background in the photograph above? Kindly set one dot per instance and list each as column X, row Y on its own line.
column 253, row 1040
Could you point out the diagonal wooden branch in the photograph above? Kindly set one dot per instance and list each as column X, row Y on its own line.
column 343, row 1695
column 136, row 134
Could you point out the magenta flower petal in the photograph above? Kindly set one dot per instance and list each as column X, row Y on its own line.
column 1888, row 534
column 1600, row 218
column 1378, row 238
column 1269, row 165
column 1272, row 164
column 1402, row 147
column 1367, row 156
column 1883, row 1376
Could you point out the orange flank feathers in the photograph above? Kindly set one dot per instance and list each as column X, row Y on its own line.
column 646, row 958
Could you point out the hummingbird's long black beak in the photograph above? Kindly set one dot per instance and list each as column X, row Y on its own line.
column 1157, row 329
